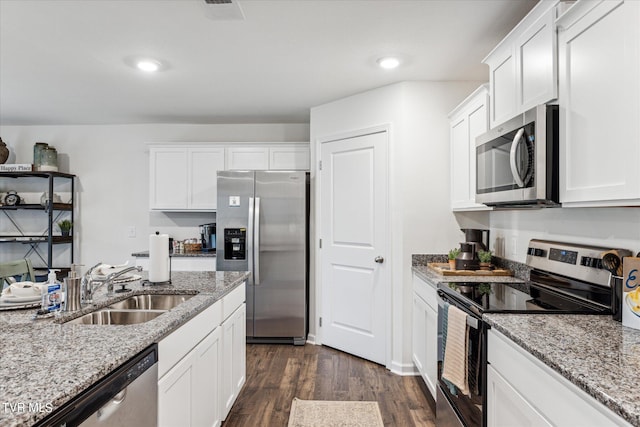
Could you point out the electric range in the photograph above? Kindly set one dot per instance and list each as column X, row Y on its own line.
column 564, row 279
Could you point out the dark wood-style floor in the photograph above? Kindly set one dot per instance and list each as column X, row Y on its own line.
column 278, row 373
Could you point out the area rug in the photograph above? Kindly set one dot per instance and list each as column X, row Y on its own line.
column 326, row 413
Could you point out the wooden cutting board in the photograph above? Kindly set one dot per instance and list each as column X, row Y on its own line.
column 443, row 268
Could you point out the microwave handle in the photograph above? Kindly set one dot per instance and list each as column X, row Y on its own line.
column 512, row 157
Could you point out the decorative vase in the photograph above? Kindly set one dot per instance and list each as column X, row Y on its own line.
column 66, row 233
column 4, row 152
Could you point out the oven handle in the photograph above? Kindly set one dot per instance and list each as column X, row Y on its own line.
column 473, row 314
column 512, row 157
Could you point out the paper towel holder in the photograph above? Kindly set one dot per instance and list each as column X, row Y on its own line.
column 166, row 282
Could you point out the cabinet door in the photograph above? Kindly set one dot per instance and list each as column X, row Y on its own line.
column 175, row 394
column 289, row 158
column 233, row 358
column 506, row 407
column 204, row 163
column 419, row 333
column 431, row 350
column 206, row 382
column 168, row 178
column 247, row 158
column 469, row 120
column 600, row 104
column 502, row 79
column 536, row 53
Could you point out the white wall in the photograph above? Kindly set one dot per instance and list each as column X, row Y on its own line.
column 420, row 216
column 607, row 227
column 112, row 168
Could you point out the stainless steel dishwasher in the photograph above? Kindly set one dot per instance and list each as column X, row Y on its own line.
column 126, row 397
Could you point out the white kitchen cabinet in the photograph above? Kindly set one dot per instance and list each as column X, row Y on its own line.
column 467, row 121
column 292, row 157
column 183, row 178
column 248, row 158
column 234, row 358
column 185, row 392
column 599, row 51
column 425, row 332
column 523, row 67
column 521, row 390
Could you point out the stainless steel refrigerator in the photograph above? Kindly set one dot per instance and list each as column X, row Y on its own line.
column 262, row 227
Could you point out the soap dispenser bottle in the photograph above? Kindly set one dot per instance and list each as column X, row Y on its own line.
column 51, row 294
column 72, row 290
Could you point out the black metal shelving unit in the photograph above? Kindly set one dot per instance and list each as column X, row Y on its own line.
column 53, row 212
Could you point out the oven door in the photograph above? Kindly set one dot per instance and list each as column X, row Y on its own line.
column 453, row 408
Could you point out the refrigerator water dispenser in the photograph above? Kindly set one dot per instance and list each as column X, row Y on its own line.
column 235, row 243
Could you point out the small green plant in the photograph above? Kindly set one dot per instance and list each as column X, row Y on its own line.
column 453, row 253
column 484, row 256
column 65, row 225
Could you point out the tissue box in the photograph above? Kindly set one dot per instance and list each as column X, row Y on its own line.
column 631, row 292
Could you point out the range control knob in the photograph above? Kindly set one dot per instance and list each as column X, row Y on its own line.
column 592, row 262
column 535, row 252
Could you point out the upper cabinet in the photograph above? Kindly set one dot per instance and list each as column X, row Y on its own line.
column 523, row 67
column 466, row 122
column 184, row 177
column 599, row 66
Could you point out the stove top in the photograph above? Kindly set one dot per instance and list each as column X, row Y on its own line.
column 565, row 278
column 505, row 298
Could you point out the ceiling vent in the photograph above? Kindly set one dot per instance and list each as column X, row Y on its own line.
column 223, row 10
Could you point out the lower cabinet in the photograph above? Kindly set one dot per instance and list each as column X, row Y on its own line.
column 234, row 340
column 202, row 365
column 425, row 332
column 521, row 390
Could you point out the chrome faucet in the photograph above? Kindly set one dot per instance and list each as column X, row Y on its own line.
column 92, row 285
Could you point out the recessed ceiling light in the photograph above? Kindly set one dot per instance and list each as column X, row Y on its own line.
column 388, row 62
column 148, row 65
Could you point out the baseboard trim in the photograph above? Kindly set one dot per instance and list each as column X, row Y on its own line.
column 311, row 339
column 404, row 369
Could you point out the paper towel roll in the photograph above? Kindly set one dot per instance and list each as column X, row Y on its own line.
column 159, row 258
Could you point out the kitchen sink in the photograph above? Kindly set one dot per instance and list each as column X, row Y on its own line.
column 117, row 317
column 150, row 302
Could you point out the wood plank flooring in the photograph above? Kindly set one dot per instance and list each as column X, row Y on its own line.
column 278, row 373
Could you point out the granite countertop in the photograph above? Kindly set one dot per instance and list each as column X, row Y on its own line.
column 46, row 363
column 200, row 254
column 596, row 353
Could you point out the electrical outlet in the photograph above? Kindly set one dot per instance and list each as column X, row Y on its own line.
column 514, row 245
column 131, row 231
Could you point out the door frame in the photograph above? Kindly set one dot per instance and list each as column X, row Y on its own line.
column 387, row 254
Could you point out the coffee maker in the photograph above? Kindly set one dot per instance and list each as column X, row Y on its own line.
column 475, row 240
column 208, row 237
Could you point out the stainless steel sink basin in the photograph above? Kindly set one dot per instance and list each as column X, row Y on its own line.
column 117, row 317
column 150, row 302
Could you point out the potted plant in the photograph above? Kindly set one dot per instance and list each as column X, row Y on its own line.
column 65, row 226
column 485, row 260
column 453, row 253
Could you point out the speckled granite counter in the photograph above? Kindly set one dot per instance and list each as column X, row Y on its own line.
column 595, row 353
column 145, row 254
column 46, row 363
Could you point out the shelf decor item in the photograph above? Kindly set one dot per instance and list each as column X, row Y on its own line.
column 453, row 253
column 485, row 260
column 4, row 152
column 37, row 154
column 49, row 159
column 65, row 226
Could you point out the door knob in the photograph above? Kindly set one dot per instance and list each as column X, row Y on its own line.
column 379, row 259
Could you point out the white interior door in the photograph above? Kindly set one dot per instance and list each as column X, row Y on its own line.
column 355, row 302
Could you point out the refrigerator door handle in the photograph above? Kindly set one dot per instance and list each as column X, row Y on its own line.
column 256, row 246
column 250, row 236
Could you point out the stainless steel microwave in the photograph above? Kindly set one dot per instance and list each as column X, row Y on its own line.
column 517, row 162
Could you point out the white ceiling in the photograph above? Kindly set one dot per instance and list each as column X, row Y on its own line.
column 63, row 61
